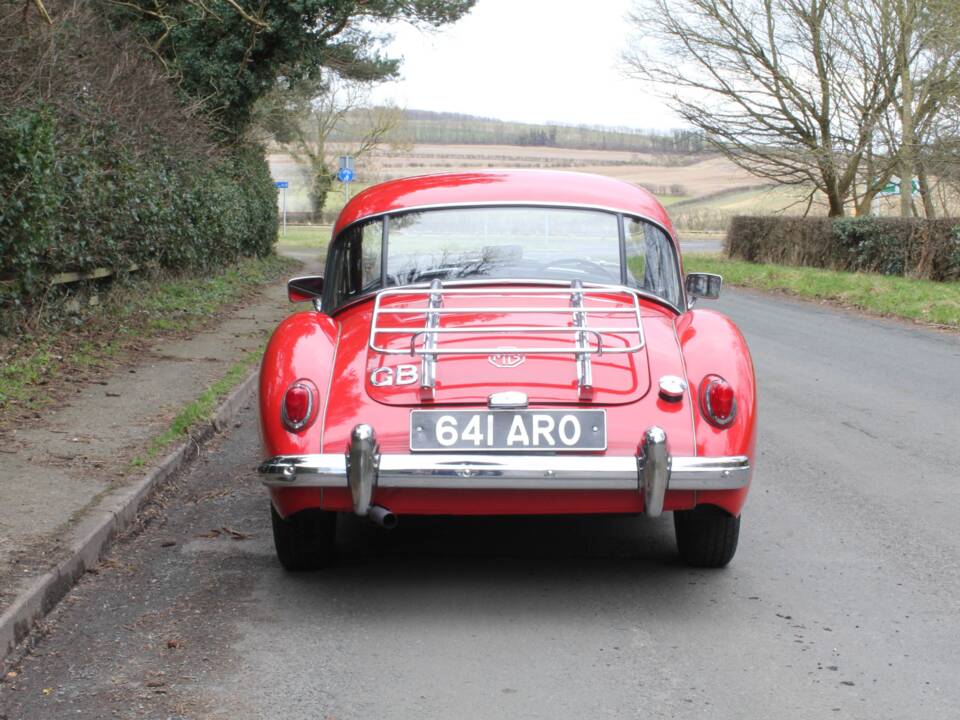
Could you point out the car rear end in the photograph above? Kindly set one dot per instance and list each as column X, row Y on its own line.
column 508, row 343
column 512, row 398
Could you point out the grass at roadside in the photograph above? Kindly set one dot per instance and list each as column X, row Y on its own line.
column 668, row 200
column 69, row 347
column 920, row 300
column 183, row 303
column 201, row 409
column 306, row 236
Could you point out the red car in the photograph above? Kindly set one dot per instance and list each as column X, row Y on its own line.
column 506, row 342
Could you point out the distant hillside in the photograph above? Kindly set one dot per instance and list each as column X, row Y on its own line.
column 441, row 128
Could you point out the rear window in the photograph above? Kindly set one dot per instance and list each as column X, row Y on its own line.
column 498, row 243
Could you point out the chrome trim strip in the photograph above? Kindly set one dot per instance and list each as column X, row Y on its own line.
column 508, row 400
column 454, row 311
column 584, row 369
column 500, row 282
column 325, row 400
column 711, row 415
column 508, row 472
column 428, row 360
column 526, row 472
column 558, row 286
column 710, row 473
column 288, row 423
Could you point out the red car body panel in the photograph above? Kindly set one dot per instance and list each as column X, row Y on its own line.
column 713, row 345
column 333, row 352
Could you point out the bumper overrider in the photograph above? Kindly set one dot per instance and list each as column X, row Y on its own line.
column 652, row 471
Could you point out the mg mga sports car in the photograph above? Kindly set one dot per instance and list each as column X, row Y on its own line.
column 506, row 342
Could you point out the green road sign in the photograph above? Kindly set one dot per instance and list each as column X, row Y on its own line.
column 893, row 187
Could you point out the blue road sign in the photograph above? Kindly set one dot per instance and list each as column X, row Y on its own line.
column 345, row 175
column 281, row 184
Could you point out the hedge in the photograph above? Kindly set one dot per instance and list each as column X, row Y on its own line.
column 74, row 199
column 926, row 249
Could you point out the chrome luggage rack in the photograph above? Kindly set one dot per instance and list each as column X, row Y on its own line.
column 587, row 340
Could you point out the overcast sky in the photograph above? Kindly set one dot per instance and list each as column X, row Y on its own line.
column 528, row 60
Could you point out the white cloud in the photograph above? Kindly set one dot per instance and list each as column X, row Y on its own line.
column 527, row 60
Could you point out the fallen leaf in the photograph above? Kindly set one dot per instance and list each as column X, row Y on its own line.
column 47, row 691
column 168, row 543
column 155, row 683
column 210, row 535
column 174, row 644
column 235, row 534
column 211, row 495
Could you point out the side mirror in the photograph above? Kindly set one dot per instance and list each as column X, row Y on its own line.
column 308, row 287
column 702, row 285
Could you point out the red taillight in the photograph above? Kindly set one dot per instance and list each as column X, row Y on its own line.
column 298, row 405
column 717, row 401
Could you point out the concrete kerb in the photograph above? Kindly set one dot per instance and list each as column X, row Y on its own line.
column 114, row 513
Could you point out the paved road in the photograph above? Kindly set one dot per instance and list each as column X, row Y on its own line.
column 842, row 601
column 696, row 244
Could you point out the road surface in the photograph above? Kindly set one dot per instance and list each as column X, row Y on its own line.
column 842, row 601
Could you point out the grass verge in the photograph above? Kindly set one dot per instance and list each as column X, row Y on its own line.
column 918, row 300
column 66, row 346
column 306, row 236
column 200, row 410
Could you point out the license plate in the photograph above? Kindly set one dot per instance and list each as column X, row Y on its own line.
column 508, row 431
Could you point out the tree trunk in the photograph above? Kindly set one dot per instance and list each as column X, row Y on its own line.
column 835, row 201
column 866, row 202
column 929, row 209
column 906, row 122
column 319, row 187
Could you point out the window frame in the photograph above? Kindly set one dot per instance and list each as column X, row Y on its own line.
column 335, row 254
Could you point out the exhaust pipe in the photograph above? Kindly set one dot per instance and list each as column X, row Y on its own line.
column 382, row 517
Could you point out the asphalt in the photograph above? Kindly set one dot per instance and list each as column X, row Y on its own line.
column 841, row 602
column 56, row 472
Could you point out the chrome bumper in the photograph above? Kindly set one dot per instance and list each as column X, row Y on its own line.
column 652, row 471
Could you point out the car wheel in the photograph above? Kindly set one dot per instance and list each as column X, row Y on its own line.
column 706, row 536
column 306, row 540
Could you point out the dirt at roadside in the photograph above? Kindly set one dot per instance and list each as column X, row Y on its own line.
column 57, row 464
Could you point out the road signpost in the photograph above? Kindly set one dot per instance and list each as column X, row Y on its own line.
column 282, row 186
column 346, row 175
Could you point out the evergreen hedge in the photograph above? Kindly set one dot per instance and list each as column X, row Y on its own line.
column 926, row 249
column 74, row 198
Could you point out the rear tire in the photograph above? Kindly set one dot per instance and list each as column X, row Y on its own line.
column 306, row 540
column 706, row 536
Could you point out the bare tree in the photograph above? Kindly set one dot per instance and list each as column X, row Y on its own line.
column 928, row 70
column 790, row 90
column 315, row 118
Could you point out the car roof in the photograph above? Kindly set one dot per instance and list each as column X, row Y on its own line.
column 493, row 187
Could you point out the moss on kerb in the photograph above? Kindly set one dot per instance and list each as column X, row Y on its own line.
column 200, row 410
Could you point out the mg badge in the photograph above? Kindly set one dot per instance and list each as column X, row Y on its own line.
column 507, row 357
